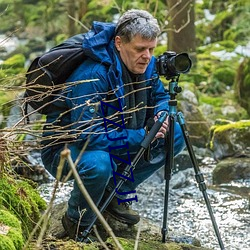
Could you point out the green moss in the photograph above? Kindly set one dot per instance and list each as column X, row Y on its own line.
column 13, row 71
column 128, row 244
column 6, row 243
column 225, row 75
column 228, row 45
column 239, row 128
column 16, row 237
column 16, row 61
column 212, row 100
column 9, row 219
column 13, row 239
column 21, row 199
column 235, row 125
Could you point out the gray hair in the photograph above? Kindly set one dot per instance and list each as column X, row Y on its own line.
column 137, row 22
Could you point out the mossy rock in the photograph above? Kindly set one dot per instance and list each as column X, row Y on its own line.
column 11, row 237
column 128, row 244
column 22, row 200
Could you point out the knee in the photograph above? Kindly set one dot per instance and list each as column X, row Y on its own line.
column 96, row 165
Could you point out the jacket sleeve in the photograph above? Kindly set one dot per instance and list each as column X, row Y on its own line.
column 87, row 119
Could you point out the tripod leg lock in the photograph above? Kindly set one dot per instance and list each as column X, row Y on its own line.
column 200, row 180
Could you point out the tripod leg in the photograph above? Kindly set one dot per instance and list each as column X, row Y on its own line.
column 199, row 176
column 168, row 173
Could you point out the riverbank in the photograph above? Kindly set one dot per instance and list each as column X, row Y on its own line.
column 188, row 216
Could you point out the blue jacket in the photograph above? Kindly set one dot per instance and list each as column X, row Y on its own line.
column 84, row 120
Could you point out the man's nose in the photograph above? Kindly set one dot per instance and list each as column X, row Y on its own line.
column 146, row 54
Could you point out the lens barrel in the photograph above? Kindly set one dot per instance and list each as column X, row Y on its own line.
column 171, row 64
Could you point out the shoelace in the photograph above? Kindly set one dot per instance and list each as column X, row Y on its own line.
column 127, row 204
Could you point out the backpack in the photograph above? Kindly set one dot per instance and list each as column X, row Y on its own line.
column 47, row 74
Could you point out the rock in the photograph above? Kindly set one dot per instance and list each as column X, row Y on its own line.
column 197, row 125
column 231, row 169
column 232, row 139
column 181, row 179
column 149, row 238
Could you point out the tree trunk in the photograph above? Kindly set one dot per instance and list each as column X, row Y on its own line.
column 71, row 6
column 83, row 7
column 181, row 27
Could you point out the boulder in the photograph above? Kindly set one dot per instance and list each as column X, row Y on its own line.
column 231, row 139
column 149, row 238
column 231, row 169
column 230, row 143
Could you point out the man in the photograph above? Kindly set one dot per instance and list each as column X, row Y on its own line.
column 108, row 114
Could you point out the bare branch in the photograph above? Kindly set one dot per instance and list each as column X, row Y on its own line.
column 66, row 154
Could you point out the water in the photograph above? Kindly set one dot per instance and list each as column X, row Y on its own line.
column 187, row 212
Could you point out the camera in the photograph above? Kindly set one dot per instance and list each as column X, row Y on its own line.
column 171, row 65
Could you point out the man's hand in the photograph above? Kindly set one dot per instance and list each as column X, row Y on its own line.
column 163, row 129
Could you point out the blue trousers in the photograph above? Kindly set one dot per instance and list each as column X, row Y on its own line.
column 96, row 172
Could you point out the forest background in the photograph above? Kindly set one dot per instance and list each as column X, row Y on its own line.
column 214, row 33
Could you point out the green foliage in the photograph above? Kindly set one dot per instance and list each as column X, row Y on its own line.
column 229, row 23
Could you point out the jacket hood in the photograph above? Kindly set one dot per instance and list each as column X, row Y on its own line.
column 98, row 43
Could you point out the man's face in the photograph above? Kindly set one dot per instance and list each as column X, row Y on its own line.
column 137, row 53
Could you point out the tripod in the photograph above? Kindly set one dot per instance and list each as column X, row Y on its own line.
column 173, row 90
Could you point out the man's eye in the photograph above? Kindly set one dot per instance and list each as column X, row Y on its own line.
column 139, row 50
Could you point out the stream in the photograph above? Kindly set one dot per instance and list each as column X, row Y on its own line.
column 187, row 212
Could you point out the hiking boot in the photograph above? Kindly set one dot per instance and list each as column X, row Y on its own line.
column 75, row 231
column 123, row 212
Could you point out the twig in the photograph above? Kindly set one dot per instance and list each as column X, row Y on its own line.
column 66, row 154
column 77, row 21
column 137, row 236
column 45, row 217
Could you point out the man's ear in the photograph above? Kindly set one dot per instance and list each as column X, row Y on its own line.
column 118, row 43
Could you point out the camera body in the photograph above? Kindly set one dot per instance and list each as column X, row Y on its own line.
column 171, row 65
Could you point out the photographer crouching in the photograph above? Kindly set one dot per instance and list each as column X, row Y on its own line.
column 125, row 91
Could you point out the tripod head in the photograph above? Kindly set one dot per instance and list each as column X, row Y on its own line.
column 174, row 89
